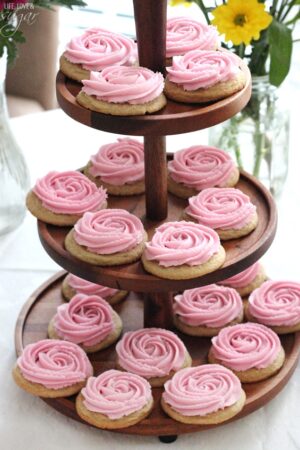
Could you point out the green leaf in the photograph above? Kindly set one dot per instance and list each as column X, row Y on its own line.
column 280, row 40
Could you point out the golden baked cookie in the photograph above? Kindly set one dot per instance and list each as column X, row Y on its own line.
column 74, row 71
column 120, row 109
column 135, row 188
column 114, row 259
column 69, row 292
column 183, row 191
column 42, row 391
column 109, row 340
column 279, row 329
column 102, row 421
column 205, row 95
column 36, row 208
column 226, row 235
column 253, row 375
column 209, row 419
column 202, row 330
column 185, row 272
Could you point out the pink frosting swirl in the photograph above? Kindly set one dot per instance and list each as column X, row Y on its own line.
column 201, row 390
column 221, row 208
column 86, row 320
column 109, row 231
column 119, row 84
column 69, row 192
column 185, row 34
column 82, row 286
column 200, row 69
column 151, row 352
column 119, row 163
column 243, row 278
column 55, row 364
column 211, row 306
column 245, row 346
column 177, row 243
column 97, row 48
column 201, row 167
column 276, row 303
column 116, row 394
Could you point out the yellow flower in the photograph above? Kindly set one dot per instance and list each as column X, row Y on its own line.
column 180, row 2
column 241, row 20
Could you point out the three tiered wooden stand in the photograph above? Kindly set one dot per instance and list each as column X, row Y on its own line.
column 149, row 302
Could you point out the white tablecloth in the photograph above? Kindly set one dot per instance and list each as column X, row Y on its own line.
column 53, row 141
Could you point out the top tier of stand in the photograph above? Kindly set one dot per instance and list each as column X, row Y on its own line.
column 174, row 118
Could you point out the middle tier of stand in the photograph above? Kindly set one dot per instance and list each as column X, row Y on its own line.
column 240, row 253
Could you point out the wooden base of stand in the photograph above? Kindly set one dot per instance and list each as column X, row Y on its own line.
column 32, row 326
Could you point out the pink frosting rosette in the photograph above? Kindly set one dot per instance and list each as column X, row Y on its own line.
column 120, row 84
column 200, row 69
column 120, row 162
column 116, row 394
column 221, row 208
column 178, row 243
column 210, row 306
column 55, row 364
column 69, row 192
column 201, row 390
column 276, row 303
column 82, row 286
column 245, row 346
column 97, row 48
column 151, row 352
column 109, row 231
column 243, row 278
column 86, row 320
column 185, row 34
column 201, row 167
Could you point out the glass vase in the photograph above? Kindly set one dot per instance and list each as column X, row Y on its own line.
column 258, row 136
column 14, row 176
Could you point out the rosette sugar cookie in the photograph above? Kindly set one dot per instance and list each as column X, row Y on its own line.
column 227, row 210
column 94, row 50
column 277, row 305
column 87, row 320
column 202, row 76
column 183, row 250
column 73, row 285
column 119, row 167
column 52, row 368
column 115, row 399
column 61, row 198
column 203, row 395
column 252, row 351
column 123, row 91
column 205, row 310
column 248, row 280
column 152, row 353
column 107, row 238
column 199, row 167
column 185, row 34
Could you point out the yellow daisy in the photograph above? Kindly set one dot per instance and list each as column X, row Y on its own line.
column 241, row 21
column 179, row 2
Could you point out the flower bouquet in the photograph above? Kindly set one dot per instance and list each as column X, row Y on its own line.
column 260, row 32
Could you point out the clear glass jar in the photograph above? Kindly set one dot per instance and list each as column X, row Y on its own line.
column 258, row 136
column 14, row 176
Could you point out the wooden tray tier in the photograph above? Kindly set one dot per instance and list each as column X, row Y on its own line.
column 175, row 118
column 241, row 253
column 32, row 326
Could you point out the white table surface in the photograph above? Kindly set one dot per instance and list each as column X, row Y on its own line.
column 54, row 141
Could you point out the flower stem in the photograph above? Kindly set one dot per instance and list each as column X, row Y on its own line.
column 204, row 10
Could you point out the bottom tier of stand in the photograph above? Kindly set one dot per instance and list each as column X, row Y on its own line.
column 41, row 306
